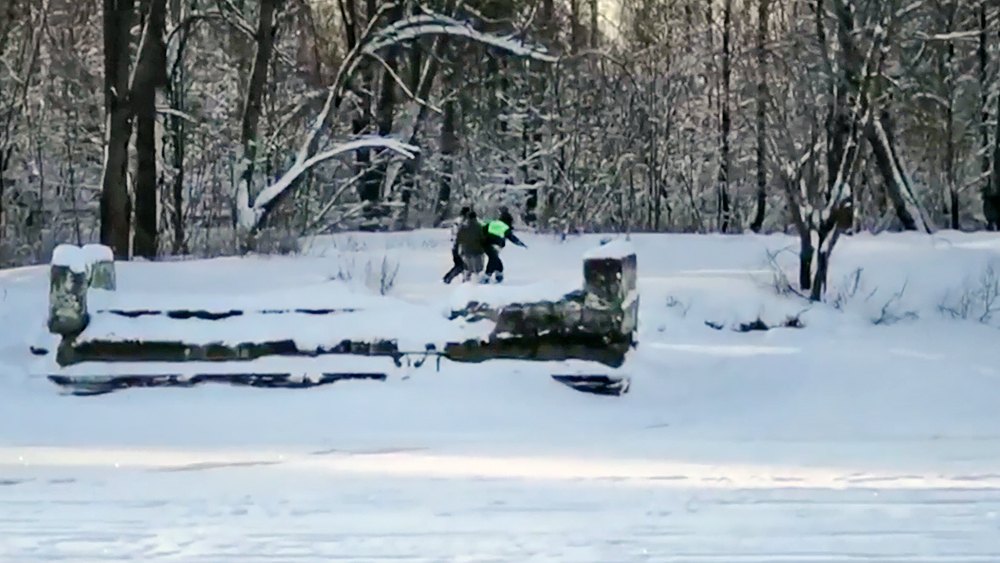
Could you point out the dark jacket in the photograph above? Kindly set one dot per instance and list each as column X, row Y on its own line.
column 470, row 239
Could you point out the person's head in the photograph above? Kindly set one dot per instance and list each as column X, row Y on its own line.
column 506, row 217
column 465, row 211
column 470, row 216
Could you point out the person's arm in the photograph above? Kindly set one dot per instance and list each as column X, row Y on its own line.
column 513, row 238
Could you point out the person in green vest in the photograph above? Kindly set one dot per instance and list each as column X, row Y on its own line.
column 497, row 233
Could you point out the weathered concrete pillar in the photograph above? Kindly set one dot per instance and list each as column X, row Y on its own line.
column 100, row 266
column 68, row 285
column 609, row 282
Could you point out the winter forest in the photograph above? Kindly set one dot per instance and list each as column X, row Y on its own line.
column 209, row 127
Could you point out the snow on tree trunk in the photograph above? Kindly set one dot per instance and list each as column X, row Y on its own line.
column 68, row 282
column 819, row 230
column 903, row 199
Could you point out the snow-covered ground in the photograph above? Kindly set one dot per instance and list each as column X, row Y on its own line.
column 873, row 433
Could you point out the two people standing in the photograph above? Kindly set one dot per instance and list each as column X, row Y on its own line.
column 476, row 240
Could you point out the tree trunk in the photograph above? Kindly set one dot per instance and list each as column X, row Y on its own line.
column 827, row 240
column 150, row 75
column 949, row 153
column 385, row 111
column 984, row 86
column 266, row 30
column 806, row 252
column 4, row 164
column 9, row 15
column 996, row 155
column 595, row 31
column 548, row 22
column 727, row 16
column 385, row 106
column 416, row 115
column 762, row 17
column 575, row 33
column 449, row 146
column 175, row 91
column 116, row 206
column 894, row 176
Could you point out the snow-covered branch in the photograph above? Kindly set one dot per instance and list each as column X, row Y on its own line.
column 438, row 24
column 250, row 216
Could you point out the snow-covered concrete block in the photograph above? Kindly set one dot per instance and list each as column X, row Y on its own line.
column 101, row 266
column 609, row 278
column 68, row 291
column 609, row 271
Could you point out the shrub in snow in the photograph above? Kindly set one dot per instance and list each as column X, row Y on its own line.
column 277, row 242
column 381, row 278
column 847, row 290
column 780, row 280
column 891, row 312
column 378, row 275
column 978, row 299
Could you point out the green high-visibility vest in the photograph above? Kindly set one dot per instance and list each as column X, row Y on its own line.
column 497, row 228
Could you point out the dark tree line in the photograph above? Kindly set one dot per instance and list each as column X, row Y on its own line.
column 155, row 125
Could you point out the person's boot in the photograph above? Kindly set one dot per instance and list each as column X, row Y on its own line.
column 499, row 276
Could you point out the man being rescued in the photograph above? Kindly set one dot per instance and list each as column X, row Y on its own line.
column 494, row 236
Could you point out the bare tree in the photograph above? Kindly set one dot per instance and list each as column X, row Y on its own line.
column 819, row 189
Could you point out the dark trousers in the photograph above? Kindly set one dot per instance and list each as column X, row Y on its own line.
column 493, row 263
column 457, row 268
